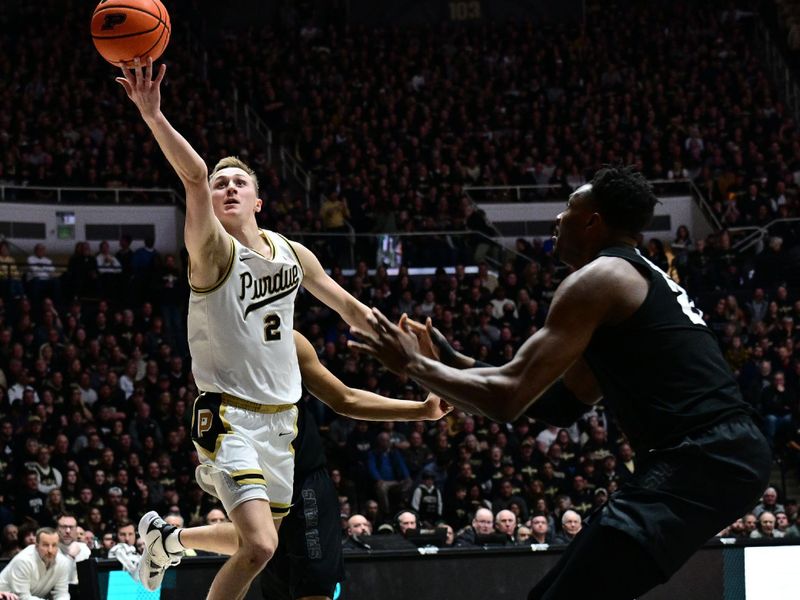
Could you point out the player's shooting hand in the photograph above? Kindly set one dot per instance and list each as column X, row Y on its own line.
column 8, row 596
column 423, row 332
column 435, row 408
column 142, row 89
column 395, row 347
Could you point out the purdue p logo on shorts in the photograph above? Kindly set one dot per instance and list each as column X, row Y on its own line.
column 204, row 419
column 208, row 423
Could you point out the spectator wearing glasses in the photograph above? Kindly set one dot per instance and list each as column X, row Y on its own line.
column 68, row 544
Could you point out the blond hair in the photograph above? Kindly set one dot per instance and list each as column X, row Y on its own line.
column 234, row 161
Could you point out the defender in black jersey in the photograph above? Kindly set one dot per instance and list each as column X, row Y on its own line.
column 308, row 562
column 619, row 329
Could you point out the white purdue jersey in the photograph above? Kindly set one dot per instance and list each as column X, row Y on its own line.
column 240, row 330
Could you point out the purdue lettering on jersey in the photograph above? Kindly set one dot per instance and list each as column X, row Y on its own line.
column 268, row 288
column 240, row 330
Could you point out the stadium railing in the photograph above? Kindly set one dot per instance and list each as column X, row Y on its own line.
column 88, row 195
column 779, row 70
column 422, row 251
column 254, row 126
column 748, row 237
column 550, row 193
column 290, row 165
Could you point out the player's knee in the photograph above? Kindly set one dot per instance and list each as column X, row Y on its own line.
column 258, row 553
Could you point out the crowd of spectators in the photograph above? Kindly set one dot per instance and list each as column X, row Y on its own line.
column 97, row 389
column 97, row 396
column 64, row 120
column 396, row 121
column 393, row 123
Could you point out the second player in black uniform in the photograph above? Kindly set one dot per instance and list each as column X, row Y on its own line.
column 620, row 329
column 308, row 562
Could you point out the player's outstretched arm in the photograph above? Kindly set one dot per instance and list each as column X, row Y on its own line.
column 204, row 235
column 319, row 283
column 145, row 93
column 561, row 404
column 360, row 404
column 586, row 300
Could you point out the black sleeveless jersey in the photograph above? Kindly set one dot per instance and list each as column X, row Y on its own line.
column 661, row 370
column 309, row 453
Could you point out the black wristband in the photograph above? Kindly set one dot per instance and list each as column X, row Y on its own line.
column 557, row 406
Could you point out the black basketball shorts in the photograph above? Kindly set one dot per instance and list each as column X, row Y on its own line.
column 308, row 561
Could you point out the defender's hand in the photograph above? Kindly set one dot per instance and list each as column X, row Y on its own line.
column 423, row 332
column 393, row 346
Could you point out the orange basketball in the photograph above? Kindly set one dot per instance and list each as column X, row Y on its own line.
column 124, row 30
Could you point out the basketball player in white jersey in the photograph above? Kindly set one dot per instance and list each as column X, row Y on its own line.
column 243, row 284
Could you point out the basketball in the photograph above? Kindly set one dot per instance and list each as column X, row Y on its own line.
column 124, row 30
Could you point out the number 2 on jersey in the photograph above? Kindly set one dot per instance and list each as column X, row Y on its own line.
column 687, row 306
column 272, row 327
